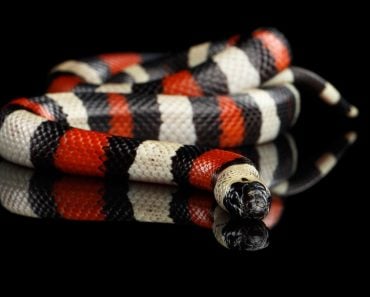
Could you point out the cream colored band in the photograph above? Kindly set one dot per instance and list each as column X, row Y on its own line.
column 220, row 220
column 81, row 69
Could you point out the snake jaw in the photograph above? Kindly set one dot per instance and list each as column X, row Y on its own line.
column 248, row 200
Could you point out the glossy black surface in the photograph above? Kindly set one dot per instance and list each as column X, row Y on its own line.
column 318, row 221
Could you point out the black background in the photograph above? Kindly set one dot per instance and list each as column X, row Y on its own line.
column 326, row 220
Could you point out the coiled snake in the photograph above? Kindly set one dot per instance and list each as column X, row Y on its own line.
column 158, row 118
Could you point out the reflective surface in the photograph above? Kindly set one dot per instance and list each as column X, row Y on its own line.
column 55, row 196
column 328, row 219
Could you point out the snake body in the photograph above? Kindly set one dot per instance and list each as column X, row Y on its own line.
column 161, row 121
column 56, row 196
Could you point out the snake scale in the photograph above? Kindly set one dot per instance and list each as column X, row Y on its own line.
column 163, row 118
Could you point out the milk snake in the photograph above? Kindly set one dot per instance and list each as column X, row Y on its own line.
column 57, row 196
column 112, row 116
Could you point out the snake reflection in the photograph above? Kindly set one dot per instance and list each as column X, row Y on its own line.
column 34, row 194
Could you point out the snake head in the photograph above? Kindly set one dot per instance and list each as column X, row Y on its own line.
column 246, row 235
column 238, row 234
column 250, row 199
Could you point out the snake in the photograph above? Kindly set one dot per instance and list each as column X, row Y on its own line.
column 167, row 118
column 58, row 196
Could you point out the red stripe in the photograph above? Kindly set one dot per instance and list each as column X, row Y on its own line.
column 34, row 107
column 233, row 40
column 276, row 47
column 206, row 165
column 121, row 122
column 64, row 83
column 231, row 123
column 181, row 83
column 119, row 61
column 78, row 199
column 81, row 152
column 200, row 210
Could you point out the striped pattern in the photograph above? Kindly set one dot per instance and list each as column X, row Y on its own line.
column 276, row 160
column 219, row 121
column 105, row 115
column 73, row 107
column 77, row 151
column 324, row 89
column 33, row 194
column 79, row 198
column 40, row 196
column 313, row 170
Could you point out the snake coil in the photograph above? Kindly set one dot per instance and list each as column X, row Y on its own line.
column 161, row 118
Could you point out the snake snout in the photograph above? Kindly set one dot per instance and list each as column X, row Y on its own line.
column 248, row 200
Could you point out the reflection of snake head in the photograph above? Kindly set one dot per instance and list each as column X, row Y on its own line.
column 251, row 199
column 242, row 235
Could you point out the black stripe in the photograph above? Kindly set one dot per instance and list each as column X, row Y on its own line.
column 260, row 58
column 120, row 153
column 121, row 77
column 152, row 87
column 252, row 117
column 148, row 57
column 307, row 175
column 160, row 68
column 99, row 66
column 85, row 88
column 44, row 143
column 168, row 64
column 174, row 63
column 117, row 205
column 285, row 167
column 41, row 195
column 146, row 115
column 179, row 210
column 338, row 147
column 210, row 78
column 97, row 107
column 216, row 47
column 53, row 108
column 182, row 162
column 343, row 105
column 285, row 106
column 306, row 78
column 206, row 119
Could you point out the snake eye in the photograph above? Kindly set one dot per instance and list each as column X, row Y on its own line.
column 248, row 200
